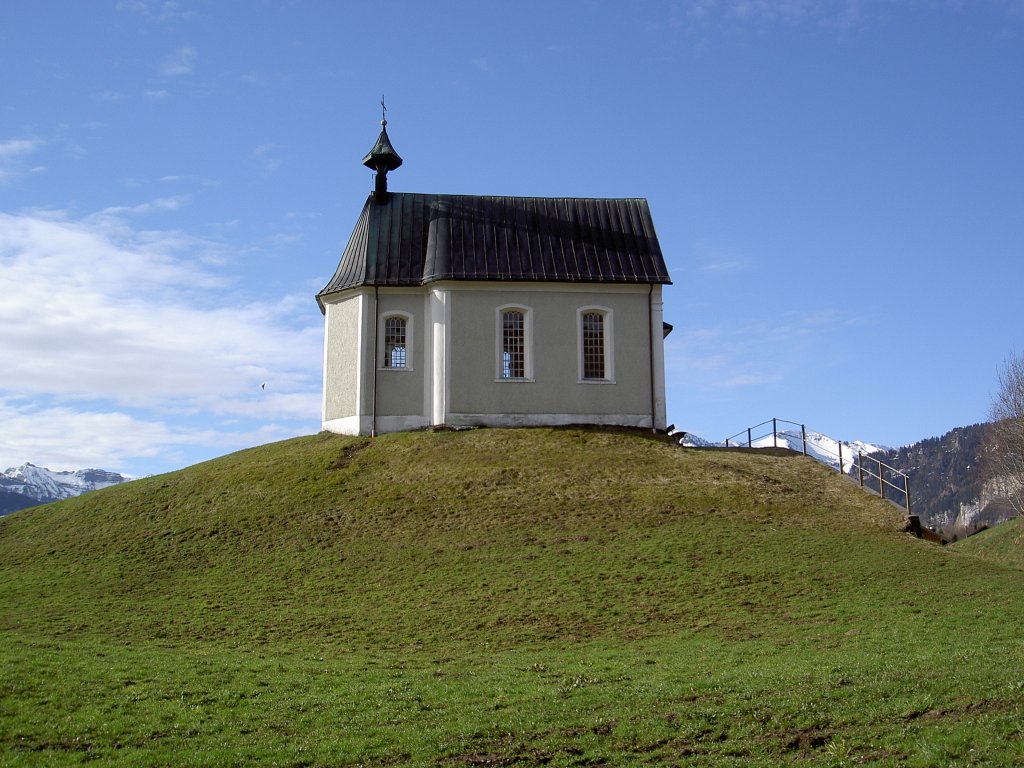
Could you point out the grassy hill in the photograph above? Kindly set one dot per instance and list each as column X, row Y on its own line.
column 499, row 597
column 1002, row 544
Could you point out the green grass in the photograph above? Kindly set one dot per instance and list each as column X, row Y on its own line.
column 1003, row 544
column 500, row 597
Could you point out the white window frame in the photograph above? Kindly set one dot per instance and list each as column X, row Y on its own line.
column 408, row 341
column 609, row 343
column 499, row 343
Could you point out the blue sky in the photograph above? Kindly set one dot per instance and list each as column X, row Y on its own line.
column 838, row 187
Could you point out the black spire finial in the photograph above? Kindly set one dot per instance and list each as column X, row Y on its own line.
column 382, row 158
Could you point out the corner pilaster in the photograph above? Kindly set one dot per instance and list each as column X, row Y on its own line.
column 440, row 322
column 658, row 357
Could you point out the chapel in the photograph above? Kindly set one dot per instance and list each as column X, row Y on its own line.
column 470, row 310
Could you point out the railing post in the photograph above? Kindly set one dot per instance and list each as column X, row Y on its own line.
column 727, row 442
column 881, row 479
column 803, row 437
column 860, row 467
column 775, row 434
column 906, row 490
column 750, row 442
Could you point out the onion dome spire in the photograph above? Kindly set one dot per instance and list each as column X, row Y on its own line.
column 382, row 158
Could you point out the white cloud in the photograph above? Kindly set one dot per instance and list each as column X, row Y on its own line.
column 264, row 149
column 743, row 354
column 114, row 318
column 156, row 12
column 724, row 267
column 264, row 154
column 169, row 10
column 825, row 13
column 180, row 62
column 74, row 150
column 11, row 148
column 156, row 95
column 712, row 256
column 12, row 154
column 750, row 380
column 1013, row 8
column 160, row 204
column 65, row 438
column 134, row 6
column 283, row 238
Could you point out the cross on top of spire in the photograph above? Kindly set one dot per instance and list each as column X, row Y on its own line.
column 382, row 158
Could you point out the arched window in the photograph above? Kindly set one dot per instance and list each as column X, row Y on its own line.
column 593, row 345
column 395, row 345
column 596, row 358
column 513, row 345
column 514, row 341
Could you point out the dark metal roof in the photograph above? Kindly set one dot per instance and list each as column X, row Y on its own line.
column 413, row 239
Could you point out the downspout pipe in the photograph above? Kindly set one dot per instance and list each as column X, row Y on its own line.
column 650, row 355
column 373, row 367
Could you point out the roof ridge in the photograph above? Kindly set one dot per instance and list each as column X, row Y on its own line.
column 516, row 197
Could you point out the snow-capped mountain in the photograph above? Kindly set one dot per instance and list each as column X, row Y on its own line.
column 45, row 485
column 822, row 447
column 690, row 440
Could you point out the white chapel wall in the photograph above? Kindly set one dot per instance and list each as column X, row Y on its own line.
column 400, row 390
column 555, row 394
column 341, row 357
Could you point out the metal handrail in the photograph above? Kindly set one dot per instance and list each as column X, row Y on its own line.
column 881, row 467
